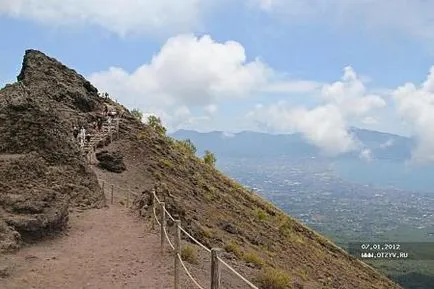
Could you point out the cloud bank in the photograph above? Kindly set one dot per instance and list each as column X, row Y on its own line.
column 188, row 73
column 415, row 105
column 126, row 17
column 326, row 125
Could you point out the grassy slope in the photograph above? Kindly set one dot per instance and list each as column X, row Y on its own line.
column 211, row 204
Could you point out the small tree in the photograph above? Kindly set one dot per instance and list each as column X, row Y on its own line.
column 189, row 146
column 137, row 114
column 155, row 123
column 209, row 158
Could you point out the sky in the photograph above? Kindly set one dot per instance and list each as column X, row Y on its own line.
column 317, row 67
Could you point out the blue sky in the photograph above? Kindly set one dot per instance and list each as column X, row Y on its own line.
column 315, row 67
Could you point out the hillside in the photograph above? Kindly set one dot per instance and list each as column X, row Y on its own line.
column 212, row 207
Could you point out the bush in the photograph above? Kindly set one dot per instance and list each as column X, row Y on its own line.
column 137, row 114
column 188, row 146
column 252, row 258
column 188, row 253
column 270, row 278
column 155, row 123
column 209, row 158
column 233, row 247
column 261, row 214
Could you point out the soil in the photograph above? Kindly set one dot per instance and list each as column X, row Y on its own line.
column 103, row 248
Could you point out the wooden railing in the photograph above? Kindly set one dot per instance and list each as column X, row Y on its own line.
column 161, row 220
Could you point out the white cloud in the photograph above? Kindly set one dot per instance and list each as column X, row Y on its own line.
column 226, row 134
column 188, row 71
column 323, row 126
column 326, row 125
column 390, row 142
column 416, row 106
column 121, row 17
column 350, row 95
column 411, row 17
column 366, row 155
column 370, row 120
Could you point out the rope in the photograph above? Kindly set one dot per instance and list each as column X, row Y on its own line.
column 168, row 239
column 156, row 219
column 194, row 240
column 238, row 274
column 188, row 273
column 170, row 216
column 155, row 195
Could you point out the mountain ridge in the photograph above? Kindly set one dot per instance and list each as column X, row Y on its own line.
column 381, row 145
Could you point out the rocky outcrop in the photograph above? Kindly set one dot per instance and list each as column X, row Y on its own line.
column 42, row 169
column 111, row 161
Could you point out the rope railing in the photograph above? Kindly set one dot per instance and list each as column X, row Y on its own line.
column 188, row 272
column 168, row 239
column 237, row 274
column 215, row 259
column 196, row 241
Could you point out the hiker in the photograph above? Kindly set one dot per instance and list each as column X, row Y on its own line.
column 105, row 109
column 82, row 136
column 75, row 132
column 99, row 123
column 88, row 136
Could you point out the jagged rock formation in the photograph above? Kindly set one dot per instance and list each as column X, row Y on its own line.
column 111, row 161
column 42, row 170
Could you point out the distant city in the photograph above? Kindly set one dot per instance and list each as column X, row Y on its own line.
column 310, row 191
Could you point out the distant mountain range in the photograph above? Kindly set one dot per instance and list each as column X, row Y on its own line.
column 256, row 144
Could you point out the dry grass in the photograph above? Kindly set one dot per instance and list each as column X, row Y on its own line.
column 189, row 254
column 270, row 278
column 233, row 247
column 253, row 258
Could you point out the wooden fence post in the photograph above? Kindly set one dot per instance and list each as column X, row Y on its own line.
column 153, row 210
column 111, row 196
column 162, row 225
column 177, row 252
column 215, row 269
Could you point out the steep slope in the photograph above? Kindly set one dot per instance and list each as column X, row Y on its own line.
column 221, row 213
column 42, row 170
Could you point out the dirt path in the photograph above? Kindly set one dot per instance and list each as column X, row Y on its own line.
column 103, row 249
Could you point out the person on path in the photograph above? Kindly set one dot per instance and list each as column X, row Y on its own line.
column 105, row 109
column 82, row 136
column 75, row 132
column 99, row 123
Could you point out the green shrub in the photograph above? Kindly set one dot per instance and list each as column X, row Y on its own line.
column 155, row 123
column 252, row 258
column 137, row 114
column 261, row 214
column 188, row 146
column 188, row 253
column 209, row 158
column 167, row 163
column 270, row 278
column 234, row 248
